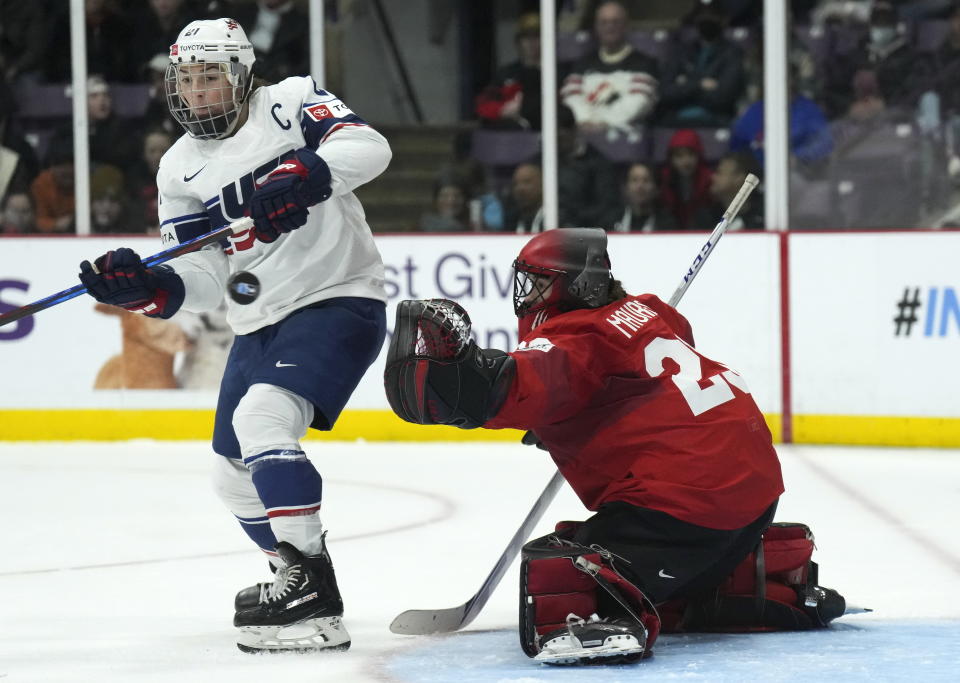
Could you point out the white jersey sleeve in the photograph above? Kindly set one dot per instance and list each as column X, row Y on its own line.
column 205, row 184
column 354, row 152
column 183, row 218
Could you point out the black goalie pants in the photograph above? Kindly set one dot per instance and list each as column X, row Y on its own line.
column 665, row 557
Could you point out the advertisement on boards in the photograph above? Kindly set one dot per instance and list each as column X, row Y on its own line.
column 875, row 324
column 81, row 355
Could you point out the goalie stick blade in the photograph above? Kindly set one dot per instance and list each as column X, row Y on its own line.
column 419, row 622
column 422, row 622
column 850, row 609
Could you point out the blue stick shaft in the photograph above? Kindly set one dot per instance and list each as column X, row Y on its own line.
column 156, row 259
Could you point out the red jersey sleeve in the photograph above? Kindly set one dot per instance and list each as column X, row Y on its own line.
column 558, row 374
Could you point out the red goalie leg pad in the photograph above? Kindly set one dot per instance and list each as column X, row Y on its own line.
column 556, row 589
column 643, row 607
column 773, row 589
column 559, row 578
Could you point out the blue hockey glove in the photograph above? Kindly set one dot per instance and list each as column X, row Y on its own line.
column 119, row 278
column 280, row 202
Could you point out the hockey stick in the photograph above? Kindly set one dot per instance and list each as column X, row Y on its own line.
column 417, row 622
column 749, row 183
column 156, row 259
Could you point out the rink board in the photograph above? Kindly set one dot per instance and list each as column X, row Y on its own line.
column 850, row 378
column 874, row 332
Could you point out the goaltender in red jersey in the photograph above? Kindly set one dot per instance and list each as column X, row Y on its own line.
column 666, row 446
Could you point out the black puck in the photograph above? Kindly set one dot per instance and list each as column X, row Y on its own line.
column 243, row 287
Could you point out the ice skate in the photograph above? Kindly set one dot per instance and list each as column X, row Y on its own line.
column 300, row 611
column 251, row 596
column 593, row 641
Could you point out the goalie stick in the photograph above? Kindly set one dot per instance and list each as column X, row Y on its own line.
column 155, row 260
column 426, row 621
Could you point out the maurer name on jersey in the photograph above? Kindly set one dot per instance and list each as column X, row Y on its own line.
column 631, row 315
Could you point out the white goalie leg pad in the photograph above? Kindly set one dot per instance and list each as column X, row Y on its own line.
column 310, row 635
column 593, row 640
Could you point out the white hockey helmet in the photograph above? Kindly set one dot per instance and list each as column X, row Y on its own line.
column 209, row 77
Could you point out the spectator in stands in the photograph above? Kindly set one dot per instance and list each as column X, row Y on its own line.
column 902, row 74
column 513, row 99
column 449, row 212
column 52, row 189
column 108, row 42
column 641, row 210
column 484, row 206
column 109, row 211
column 112, row 140
column 523, row 210
column 810, row 138
column 727, row 180
column 142, row 182
column 22, row 38
column 156, row 25
column 18, row 163
column 587, row 181
column 685, row 179
column 840, row 12
column 157, row 115
column 614, row 89
column 948, row 87
column 867, row 103
column 702, row 84
column 17, row 216
column 279, row 32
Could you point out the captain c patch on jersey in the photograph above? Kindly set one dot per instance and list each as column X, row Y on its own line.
column 334, row 109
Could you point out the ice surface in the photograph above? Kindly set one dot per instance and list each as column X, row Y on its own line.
column 120, row 564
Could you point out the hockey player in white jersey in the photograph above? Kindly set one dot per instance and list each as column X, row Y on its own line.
column 288, row 155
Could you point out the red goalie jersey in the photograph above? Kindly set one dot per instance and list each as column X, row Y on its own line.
column 631, row 412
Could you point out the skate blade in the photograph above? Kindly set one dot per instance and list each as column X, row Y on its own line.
column 323, row 634
column 567, row 650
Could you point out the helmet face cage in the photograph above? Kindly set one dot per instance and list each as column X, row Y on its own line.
column 576, row 261
column 534, row 287
column 218, row 89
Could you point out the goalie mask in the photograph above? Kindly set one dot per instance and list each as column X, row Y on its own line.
column 209, row 77
column 560, row 270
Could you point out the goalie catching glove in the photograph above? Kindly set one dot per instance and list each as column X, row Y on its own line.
column 436, row 374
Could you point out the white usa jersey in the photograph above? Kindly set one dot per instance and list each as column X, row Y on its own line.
column 205, row 184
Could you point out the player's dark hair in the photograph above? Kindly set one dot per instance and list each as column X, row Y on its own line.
column 616, row 292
